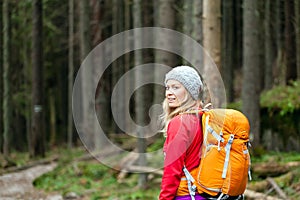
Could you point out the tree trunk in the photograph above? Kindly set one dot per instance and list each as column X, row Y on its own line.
column 52, row 118
column 197, row 32
column 269, row 49
column 297, row 29
column 187, row 27
column 70, row 71
column 166, row 19
column 139, row 97
column 127, row 57
column 228, row 52
column 38, row 134
column 251, row 77
column 238, row 34
column 101, row 98
column 120, row 68
column 116, row 64
column 6, row 79
column 290, row 46
column 1, row 77
column 87, row 81
column 261, row 40
column 84, row 29
column 280, row 70
column 212, row 44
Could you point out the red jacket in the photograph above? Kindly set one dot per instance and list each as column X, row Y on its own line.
column 182, row 147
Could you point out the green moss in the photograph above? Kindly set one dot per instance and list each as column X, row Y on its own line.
column 235, row 105
column 281, row 157
column 92, row 180
column 286, row 99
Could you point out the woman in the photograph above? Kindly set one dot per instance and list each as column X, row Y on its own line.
column 183, row 131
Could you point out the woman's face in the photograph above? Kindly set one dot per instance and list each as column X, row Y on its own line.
column 175, row 93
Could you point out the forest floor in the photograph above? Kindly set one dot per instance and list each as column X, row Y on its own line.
column 19, row 185
column 276, row 175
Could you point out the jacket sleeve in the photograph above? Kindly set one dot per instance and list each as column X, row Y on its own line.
column 175, row 148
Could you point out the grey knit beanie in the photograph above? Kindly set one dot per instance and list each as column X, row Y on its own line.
column 188, row 77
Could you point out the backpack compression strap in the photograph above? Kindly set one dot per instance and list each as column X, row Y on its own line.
column 227, row 149
column 192, row 188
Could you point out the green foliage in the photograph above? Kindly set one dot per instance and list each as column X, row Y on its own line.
column 158, row 144
column 92, row 180
column 289, row 186
column 282, row 157
column 286, row 99
column 92, row 176
column 75, row 177
column 16, row 158
column 235, row 105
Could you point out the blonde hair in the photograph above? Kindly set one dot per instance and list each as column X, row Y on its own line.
column 168, row 113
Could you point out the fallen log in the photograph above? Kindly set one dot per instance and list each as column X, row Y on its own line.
column 273, row 169
column 144, row 169
column 98, row 155
column 129, row 165
column 260, row 186
column 21, row 182
column 252, row 195
column 277, row 188
column 29, row 165
column 128, row 160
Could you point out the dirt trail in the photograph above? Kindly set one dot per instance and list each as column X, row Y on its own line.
column 18, row 185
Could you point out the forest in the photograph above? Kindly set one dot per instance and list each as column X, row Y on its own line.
column 82, row 82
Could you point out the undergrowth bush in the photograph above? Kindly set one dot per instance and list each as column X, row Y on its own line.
column 286, row 99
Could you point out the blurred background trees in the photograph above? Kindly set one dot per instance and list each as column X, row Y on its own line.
column 255, row 44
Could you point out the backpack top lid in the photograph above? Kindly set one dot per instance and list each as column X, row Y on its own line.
column 229, row 121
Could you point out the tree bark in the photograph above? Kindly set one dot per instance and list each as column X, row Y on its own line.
column 252, row 195
column 197, row 33
column 212, row 44
column 1, row 77
column 262, row 185
column 117, row 65
column 166, row 19
column 277, row 189
column 290, row 46
column 273, row 169
column 70, row 71
column 139, row 96
column 228, row 52
column 261, row 40
column 37, row 126
column 127, row 58
column 187, row 27
column 269, row 49
column 280, row 69
column 238, row 35
column 102, row 103
column 87, row 80
column 297, row 29
column 251, row 76
column 52, row 118
column 6, row 78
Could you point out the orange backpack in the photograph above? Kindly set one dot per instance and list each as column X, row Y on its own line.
column 225, row 160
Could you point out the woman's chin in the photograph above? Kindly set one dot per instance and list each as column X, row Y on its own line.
column 173, row 105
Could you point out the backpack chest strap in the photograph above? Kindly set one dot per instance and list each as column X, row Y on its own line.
column 227, row 149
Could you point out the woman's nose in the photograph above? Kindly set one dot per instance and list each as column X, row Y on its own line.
column 168, row 92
